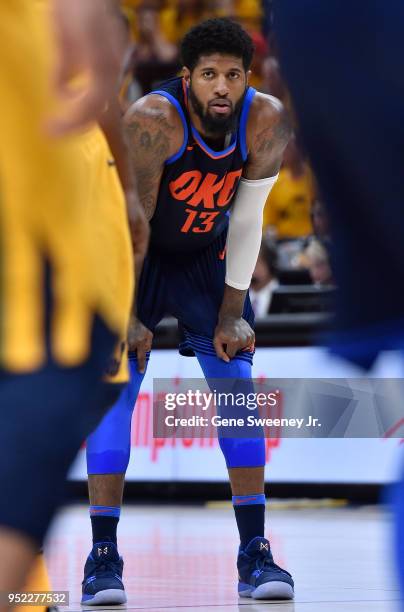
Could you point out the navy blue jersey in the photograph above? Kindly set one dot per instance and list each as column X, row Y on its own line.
column 198, row 184
column 191, row 290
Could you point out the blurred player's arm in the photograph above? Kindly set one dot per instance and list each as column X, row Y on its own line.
column 155, row 133
column 111, row 123
column 268, row 133
column 86, row 46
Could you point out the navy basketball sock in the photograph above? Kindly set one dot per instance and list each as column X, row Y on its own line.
column 104, row 523
column 250, row 516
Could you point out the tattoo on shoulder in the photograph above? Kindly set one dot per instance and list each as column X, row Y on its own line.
column 274, row 136
column 150, row 134
column 267, row 151
column 146, row 140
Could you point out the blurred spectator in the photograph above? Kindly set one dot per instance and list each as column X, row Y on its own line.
column 155, row 59
column 249, row 14
column 257, row 66
column 159, row 25
column 320, row 221
column 273, row 83
column 129, row 88
column 264, row 280
column 222, row 8
column 287, row 211
column 318, row 263
column 178, row 16
column 321, row 233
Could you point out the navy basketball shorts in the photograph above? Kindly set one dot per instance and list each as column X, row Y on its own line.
column 190, row 287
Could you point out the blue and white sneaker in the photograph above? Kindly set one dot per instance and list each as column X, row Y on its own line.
column 102, row 584
column 259, row 576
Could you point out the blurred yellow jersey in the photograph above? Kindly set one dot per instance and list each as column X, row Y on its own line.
column 288, row 207
column 110, row 234
column 54, row 274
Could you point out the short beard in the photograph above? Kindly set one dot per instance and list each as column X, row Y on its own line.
column 216, row 126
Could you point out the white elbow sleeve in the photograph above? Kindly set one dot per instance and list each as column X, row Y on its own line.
column 245, row 230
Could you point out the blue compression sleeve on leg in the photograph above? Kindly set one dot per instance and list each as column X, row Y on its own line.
column 108, row 447
column 397, row 500
column 242, row 451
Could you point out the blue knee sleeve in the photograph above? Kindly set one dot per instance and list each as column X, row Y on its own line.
column 243, row 451
column 398, row 513
column 108, row 448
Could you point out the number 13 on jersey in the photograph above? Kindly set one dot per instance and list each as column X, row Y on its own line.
column 198, row 222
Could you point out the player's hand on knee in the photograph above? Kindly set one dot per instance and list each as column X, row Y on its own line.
column 140, row 342
column 232, row 334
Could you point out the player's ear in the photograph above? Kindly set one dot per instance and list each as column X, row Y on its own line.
column 186, row 73
column 248, row 76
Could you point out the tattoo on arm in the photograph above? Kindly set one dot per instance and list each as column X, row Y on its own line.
column 273, row 136
column 267, row 151
column 150, row 135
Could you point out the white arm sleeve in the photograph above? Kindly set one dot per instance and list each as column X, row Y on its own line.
column 245, row 230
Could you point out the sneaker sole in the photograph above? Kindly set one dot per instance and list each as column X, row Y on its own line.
column 110, row 597
column 269, row 590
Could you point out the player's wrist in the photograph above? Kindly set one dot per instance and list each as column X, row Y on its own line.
column 229, row 317
column 232, row 304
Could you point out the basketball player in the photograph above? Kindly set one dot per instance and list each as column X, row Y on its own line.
column 203, row 145
column 58, row 326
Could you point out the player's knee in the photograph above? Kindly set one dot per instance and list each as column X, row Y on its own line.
column 108, row 447
column 243, row 452
column 213, row 367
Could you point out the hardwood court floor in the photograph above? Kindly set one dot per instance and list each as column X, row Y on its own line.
column 183, row 558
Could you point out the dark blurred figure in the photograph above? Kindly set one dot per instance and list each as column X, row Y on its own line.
column 267, row 18
column 155, row 59
column 265, row 279
column 350, row 112
column 343, row 66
